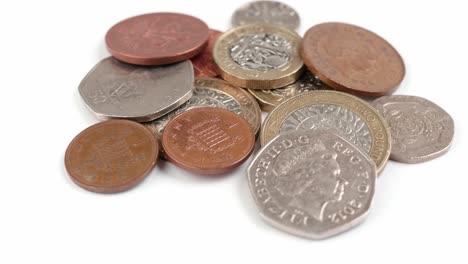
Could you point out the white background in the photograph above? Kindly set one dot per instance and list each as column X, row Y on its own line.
column 419, row 214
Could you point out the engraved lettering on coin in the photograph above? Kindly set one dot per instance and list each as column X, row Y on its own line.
column 270, row 12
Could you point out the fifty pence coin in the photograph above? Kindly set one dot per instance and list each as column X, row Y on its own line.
column 208, row 140
column 420, row 129
column 313, row 184
column 268, row 12
column 352, row 59
column 259, row 56
column 203, row 64
column 113, row 89
column 351, row 117
column 111, row 156
column 157, row 38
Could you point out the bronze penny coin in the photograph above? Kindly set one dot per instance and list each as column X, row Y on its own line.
column 203, row 64
column 157, row 38
column 208, row 140
column 352, row 59
column 111, row 156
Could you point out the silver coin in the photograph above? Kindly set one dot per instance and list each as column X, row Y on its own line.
column 270, row 12
column 307, row 82
column 420, row 130
column 113, row 89
column 314, row 184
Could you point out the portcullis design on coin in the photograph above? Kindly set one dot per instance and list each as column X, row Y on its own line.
column 314, row 184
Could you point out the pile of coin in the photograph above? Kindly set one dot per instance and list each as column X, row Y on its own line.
column 177, row 90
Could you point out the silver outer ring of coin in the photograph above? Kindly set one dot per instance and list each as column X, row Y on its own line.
column 269, row 12
column 113, row 89
column 288, row 174
column 416, row 126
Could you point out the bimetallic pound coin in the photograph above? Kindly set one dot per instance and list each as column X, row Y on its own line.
column 269, row 99
column 203, row 64
column 314, row 184
column 208, row 140
column 259, row 56
column 352, row 59
column 268, row 12
column 113, row 89
column 157, row 38
column 349, row 116
column 421, row 130
column 111, row 156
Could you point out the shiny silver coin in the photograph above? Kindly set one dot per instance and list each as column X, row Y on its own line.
column 420, row 130
column 113, row 89
column 270, row 12
column 314, row 184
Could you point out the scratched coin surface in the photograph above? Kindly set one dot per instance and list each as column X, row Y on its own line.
column 351, row 117
column 113, row 89
column 314, row 184
column 259, row 56
column 420, row 129
column 111, row 156
column 352, row 59
column 208, row 140
column 210, row 92
column 203, row 64
column 269, row 99
column 268, row 12
column 157, row 38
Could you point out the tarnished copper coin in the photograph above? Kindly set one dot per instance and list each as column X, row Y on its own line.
column 208, row 140
column 352, row 59
column 111, row 156
column 203, row 64
column 157, row 38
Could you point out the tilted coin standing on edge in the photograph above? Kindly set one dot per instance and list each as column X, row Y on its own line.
column 313, row 184
column 351, row 117
column 269, row 12
column 421, row 130
column 113, row 89
column 259, row 56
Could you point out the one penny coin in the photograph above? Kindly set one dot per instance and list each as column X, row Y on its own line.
column 111, row 156
column 352, row 59
column 208, row 140
column 203, row 64
column 157, row 38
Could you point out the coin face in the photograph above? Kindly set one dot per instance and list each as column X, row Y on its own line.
column 348, row 115
column 352, row 59
column 421, row 130
column 313, row 184
column 203, row 64
column 208, row 140
column 269, row 99
column 259, row 56
column 111, row 156
column 113, row 89
column 157, row 38
column 268, row 12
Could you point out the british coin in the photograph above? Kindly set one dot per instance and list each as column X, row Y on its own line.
column 259, row 56
column 208, row 140
column 314, row 184
column 113, row 89
column 210, row 92
column 203, row 64
column 111, row 156
column 269, row 99
column 351, row 117
column 352, row 59
column 268, row 12
column 420, row 129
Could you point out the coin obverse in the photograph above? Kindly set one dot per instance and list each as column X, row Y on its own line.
column 421, row 130
column 313, row 184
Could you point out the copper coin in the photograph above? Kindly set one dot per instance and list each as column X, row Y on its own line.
column 208, row 140
column 157, row 38
column 203, row 64
column 352, row 59
column 111, row 156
